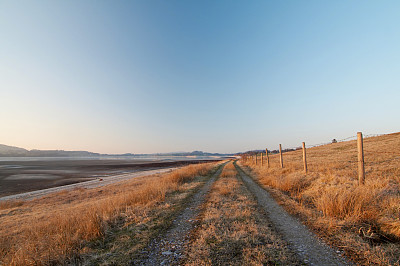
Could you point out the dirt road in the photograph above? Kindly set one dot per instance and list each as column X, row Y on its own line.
column 173, row 247
column 169, row 248
column 306, row 244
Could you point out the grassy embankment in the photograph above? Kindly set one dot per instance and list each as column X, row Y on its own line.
column 233, row 231
column 362, row 220
column 117, row 219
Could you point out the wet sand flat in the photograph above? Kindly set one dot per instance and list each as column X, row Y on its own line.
column 25, row 176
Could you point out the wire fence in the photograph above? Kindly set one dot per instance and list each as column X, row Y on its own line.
column 354, row 137
column 357, row 157
column 286, row 149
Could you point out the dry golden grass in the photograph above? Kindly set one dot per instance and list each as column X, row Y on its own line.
column 54, row 228
column 8, row 204
column 229, row 171
column 233, row 231
column 331, row 190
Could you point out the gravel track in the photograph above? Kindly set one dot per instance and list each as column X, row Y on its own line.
column 169, row 248
column 306, row 244
column 87, row 184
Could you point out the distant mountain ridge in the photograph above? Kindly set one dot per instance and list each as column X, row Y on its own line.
column 11, row 151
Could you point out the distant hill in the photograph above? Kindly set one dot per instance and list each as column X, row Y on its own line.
column 60, row 153
column 10, row 151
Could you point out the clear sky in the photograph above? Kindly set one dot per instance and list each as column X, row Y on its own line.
column 218, row 76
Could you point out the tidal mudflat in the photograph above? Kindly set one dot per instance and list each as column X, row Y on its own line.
column 19, row 176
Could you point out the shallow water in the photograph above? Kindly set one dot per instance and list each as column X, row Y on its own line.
column 128, row 158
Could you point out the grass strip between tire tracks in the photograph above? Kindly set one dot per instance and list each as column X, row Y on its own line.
column 232, row 230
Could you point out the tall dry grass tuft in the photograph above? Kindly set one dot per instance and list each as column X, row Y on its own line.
column 331, row 186
column 357, row 204
column 52, row 229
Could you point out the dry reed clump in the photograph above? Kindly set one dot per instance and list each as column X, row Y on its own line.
column 357, row 204
column 52, row 229
column 331, row 186
column 232, row 231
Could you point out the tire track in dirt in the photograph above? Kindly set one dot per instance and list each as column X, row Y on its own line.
column 168, row 249
column 234, row 230
column 306, row 244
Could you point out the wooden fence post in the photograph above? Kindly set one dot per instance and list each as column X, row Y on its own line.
column 280, row 151
column 304, row 157
column 262, row 159
column 361, row 169
column 266, row 154
column 255, row 156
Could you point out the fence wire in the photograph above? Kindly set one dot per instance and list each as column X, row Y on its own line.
column 351, row 160
column 354, row 137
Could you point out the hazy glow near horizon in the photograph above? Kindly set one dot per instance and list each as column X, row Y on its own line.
column 217, row 76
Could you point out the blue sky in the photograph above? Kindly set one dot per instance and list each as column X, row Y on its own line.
column 218, row 76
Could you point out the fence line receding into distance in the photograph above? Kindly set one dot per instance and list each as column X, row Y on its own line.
column 360, row 155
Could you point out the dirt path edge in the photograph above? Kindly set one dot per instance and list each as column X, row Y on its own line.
column 168, row 249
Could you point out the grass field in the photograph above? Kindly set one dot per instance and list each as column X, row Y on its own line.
column 362, row 220
column 62, row 226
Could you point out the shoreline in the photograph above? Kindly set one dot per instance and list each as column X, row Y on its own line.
column 17, row 177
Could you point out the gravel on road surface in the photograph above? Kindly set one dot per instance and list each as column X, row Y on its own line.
column 169, row 248
column 305, row 243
